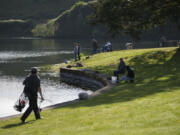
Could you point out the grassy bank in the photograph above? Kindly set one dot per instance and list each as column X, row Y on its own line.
column 150, row 106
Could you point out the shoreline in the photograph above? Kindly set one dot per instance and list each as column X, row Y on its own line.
column 107, row 86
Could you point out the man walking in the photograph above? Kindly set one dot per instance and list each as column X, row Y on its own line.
column 31, row 89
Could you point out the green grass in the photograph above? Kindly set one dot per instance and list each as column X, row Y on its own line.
column 150, row 106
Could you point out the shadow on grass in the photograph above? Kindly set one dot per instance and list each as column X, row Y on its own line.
column 17, row 124
column 155, row 73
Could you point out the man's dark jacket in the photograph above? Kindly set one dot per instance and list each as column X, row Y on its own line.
column 32, row 82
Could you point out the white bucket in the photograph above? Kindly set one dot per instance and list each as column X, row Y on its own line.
column 113, row 79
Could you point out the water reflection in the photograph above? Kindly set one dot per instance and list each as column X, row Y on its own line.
column 17, row 56
column 11, row 88
column 8, row 55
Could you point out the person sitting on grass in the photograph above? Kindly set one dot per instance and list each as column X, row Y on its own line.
column 107, row 47
column 129, row 77
column 121, row 68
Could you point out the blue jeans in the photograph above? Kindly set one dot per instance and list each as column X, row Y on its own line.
column 75, row 56
column 117, row 72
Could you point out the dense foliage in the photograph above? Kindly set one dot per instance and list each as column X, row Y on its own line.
column 133, row 16
column 38, row 10
column 53, row 18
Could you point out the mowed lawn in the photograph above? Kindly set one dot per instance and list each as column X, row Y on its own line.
column 149, row 106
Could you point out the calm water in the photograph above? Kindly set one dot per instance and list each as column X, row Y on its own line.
column 17, row 56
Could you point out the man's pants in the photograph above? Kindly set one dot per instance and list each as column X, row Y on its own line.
column 126, row 78
column 79, row 56
column 116, row 72
column 32, row 107
column 75, row 56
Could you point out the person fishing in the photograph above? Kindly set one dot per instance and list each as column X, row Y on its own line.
column 31, row 89
column 94, row 46
column 75, row 51
column 121, row 68
column 79, row 51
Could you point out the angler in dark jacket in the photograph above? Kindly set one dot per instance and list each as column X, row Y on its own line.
column 121, row 68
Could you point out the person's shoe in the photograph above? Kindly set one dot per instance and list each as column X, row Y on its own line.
column 132, row 81
column 23, row 121
column 40, row 118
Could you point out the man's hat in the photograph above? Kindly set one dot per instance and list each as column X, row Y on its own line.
column 34, row 70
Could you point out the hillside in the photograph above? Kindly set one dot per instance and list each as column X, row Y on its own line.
column 10, row 28
column 62, row 19
column 74, row 23
column 149, row 106
column 71, row 23
column 18, row 18
column 33, row 9
column 49, row 19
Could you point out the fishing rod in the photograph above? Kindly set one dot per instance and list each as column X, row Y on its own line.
column 45, row 99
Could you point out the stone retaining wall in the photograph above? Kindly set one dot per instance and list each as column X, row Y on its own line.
column 84, row 79
column 171, row 43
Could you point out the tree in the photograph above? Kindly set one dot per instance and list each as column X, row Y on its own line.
column 134, row 16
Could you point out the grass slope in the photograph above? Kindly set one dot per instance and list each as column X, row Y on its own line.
column 150, row 106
